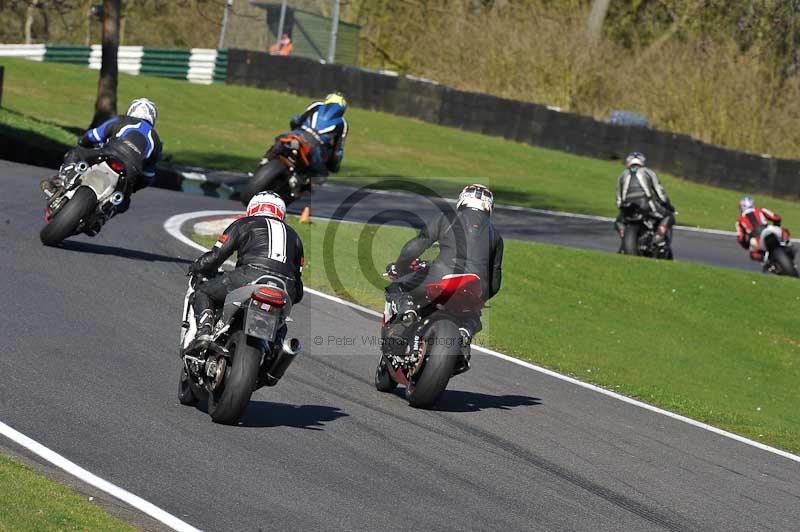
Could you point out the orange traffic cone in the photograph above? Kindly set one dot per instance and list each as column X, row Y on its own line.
column 305, row 216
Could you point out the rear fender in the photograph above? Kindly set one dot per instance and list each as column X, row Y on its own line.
column 234, row 302
column 771, row 237
column 101, row 179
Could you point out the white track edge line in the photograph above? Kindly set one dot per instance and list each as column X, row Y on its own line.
column 173, row 227
column 93, row 480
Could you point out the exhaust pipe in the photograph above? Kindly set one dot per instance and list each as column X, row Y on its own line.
column 289, row 351
column 117, row 198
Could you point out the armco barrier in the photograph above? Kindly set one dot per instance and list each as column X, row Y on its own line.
column 198, row 65
column 33, row 52
column 526, row 122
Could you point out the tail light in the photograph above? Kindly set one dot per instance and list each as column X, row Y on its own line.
column 117, row 166
column 270, row 296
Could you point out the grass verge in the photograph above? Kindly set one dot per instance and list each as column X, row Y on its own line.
column 31, row 502
column 676, row 335
column 229, row 127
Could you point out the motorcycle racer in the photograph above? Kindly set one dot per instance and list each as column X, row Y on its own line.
column 638, row 185
column 264, row 244
column 325, row 122
column 751, row 222
column 129, row 138
column 468, row 243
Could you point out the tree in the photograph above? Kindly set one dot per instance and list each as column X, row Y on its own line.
column 597, row 16
column 106, row 105
column 29, row 14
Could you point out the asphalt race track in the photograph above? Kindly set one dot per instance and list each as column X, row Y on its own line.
column 344, row 202
column 591, row 232
column 90, row 365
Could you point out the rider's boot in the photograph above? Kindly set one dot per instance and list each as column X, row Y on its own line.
column 406, row 308
column 51, row 186
column 661, row 242
column 205, row 331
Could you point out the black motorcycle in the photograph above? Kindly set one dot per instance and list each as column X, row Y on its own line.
column 285, row 168
column 249, row 349
column 779, row 256
column 424, row 349
column 88, row 197
column 638, row 231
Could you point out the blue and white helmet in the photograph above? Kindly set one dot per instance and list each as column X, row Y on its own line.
column 746, row 204
column 144, row 109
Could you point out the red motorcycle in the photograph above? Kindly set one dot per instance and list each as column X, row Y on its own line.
column 285, row 168
column 423, row 349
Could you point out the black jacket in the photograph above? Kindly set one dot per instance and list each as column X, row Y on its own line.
column 131, row 140
column 468, row 243
column 259, row 241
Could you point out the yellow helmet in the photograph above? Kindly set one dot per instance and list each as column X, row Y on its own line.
column 336, row 98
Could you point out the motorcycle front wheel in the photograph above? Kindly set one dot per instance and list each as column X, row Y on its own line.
column 186, row 393
column 66, row 221
column 271, row 176
column 383, row 381
column 443, row 350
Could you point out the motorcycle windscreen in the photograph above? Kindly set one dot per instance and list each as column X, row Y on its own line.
column 259, row 323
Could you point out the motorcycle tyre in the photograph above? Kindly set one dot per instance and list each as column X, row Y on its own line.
column 425, row 388
column 66, row 221
column 268, row 177
column 630, row 240
column 779, row 256
column 227, row 403
column 383, row 381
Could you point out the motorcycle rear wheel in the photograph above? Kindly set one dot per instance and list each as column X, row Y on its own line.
column 66, row 221
column 272, row 176
column 228, row 402
column 630, row 240
column 782, row 259
column 442, row 354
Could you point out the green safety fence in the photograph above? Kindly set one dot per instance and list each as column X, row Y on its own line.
column 198, row 65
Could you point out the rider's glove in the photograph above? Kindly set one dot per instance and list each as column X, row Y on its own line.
column 194, row 269
column 391, row 271
column 418, row 264
column 295, row 122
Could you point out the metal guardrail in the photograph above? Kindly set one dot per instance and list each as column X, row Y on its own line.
column 197, row 65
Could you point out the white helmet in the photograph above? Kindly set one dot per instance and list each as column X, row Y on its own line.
column 634, row 159
column 476, row 197
column 267, row 204
column 144, row 109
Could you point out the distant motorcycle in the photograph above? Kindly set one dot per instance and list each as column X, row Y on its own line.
column 88, row 198
column 779, row 253
column 638, row 235
column 285, row 168
column 249, row 350
column 423, row 353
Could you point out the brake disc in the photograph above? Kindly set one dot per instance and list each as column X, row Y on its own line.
column 215, row 371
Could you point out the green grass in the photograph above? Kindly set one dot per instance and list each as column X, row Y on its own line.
column 678, row 335
column 32, row 502
column 229, row 127
column 10, row 120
